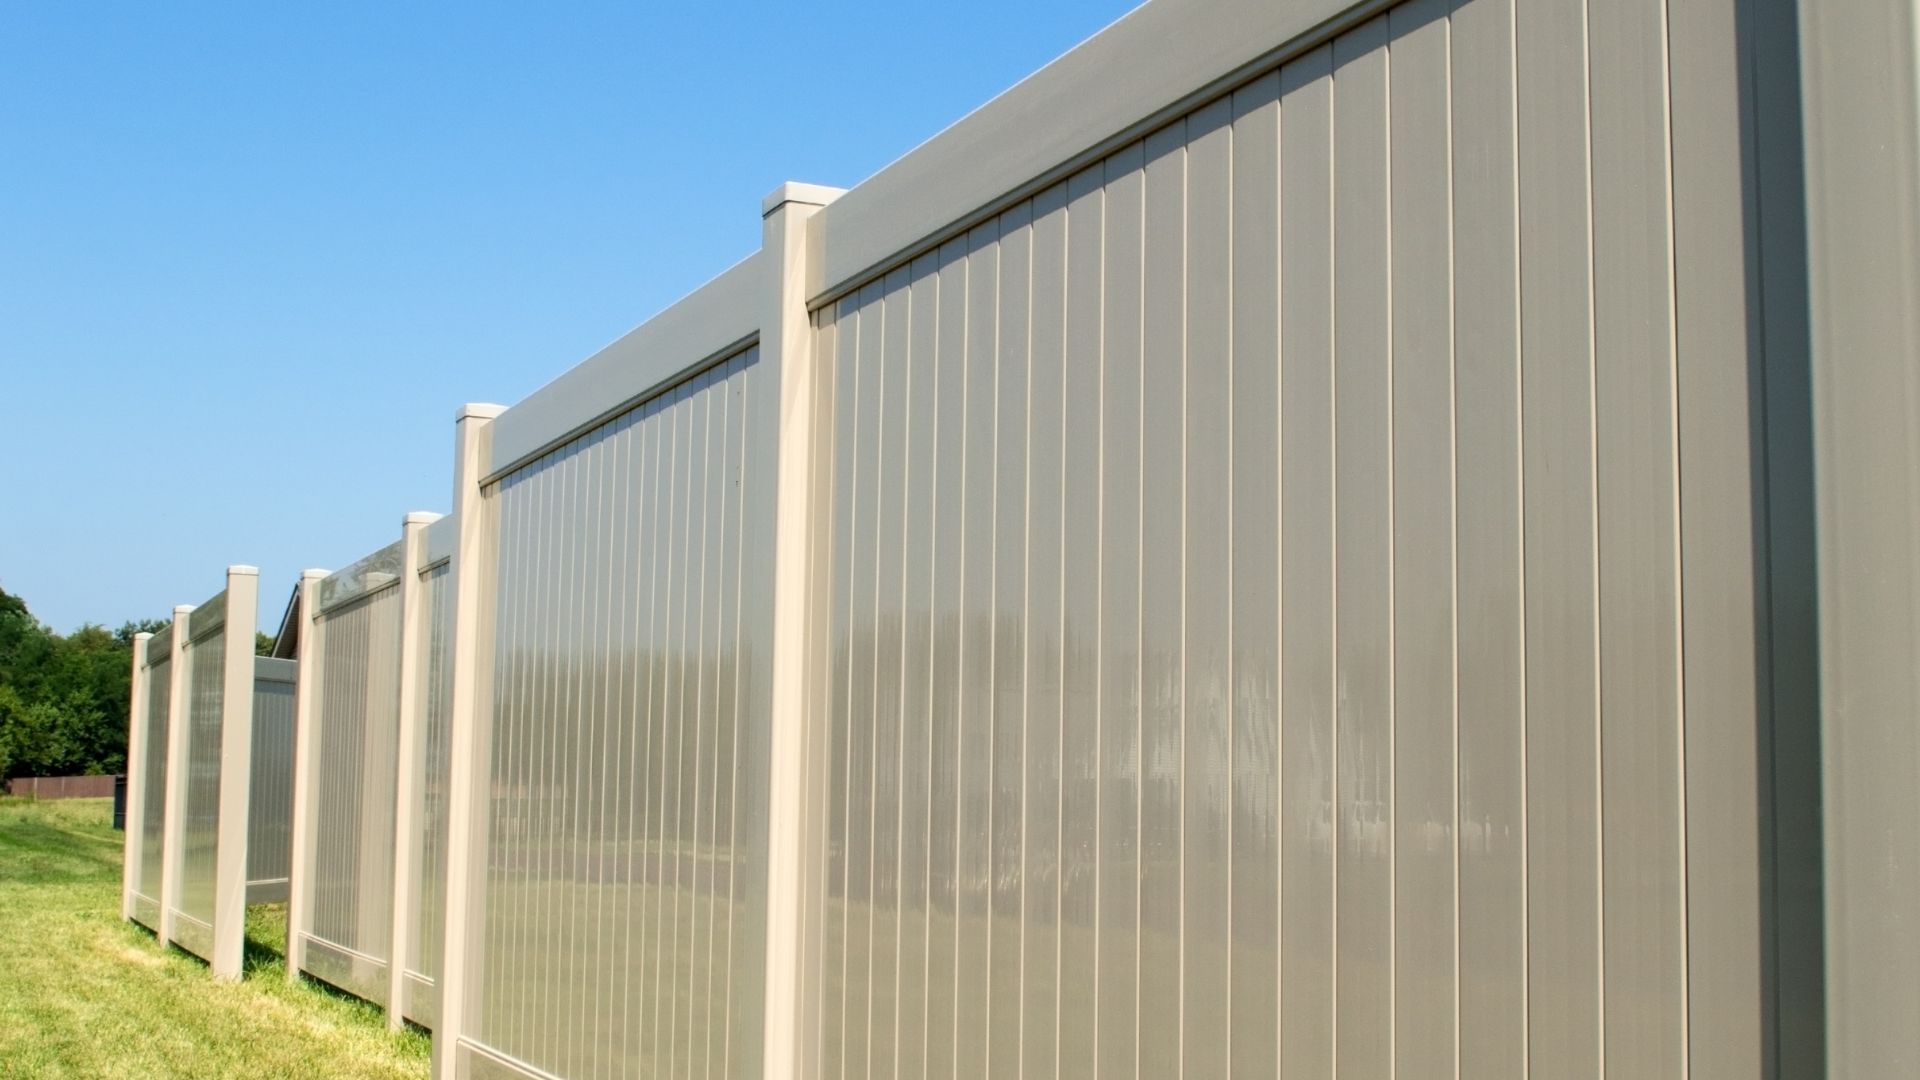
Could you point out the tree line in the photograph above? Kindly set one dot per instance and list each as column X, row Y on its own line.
column 63, row 698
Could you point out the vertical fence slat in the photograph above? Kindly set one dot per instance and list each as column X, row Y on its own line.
column 1121, row 516
column 1424, row 832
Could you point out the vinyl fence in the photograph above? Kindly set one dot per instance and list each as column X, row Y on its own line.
column 200, row 837
column 151, row 712
column 624, row 886
column 341, row 918
column 270, row 789
column 1282, row 545
column 370, row 812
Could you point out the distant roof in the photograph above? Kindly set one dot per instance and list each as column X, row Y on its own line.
column 286, row 642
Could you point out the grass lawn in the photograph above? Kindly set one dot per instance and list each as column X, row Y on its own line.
column 84, row 994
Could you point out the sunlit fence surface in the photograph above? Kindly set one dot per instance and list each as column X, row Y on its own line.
column 344, row 918
column 210, row 762
column 147, row 775
column 422, row 897
column 1261, row 551
column 624, row 889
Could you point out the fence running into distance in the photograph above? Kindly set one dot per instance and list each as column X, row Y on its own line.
column 1297, row 558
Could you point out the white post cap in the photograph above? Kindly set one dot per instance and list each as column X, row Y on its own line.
column 795, row 192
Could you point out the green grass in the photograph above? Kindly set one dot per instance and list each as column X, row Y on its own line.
column 85, row 994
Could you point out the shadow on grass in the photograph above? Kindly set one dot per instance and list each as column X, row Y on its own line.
column 265, row 956
column 174, row 948
column 260, row 956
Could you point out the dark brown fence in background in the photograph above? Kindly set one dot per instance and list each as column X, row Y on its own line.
column 62, row 787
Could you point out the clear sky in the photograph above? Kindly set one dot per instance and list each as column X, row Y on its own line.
column 252, row 256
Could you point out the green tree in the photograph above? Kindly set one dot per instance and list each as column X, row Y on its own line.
column 127, row 630
column 63, row 699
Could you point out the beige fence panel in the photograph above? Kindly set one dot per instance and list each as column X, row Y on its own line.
column 203, row 840
column 623, row 890
column 199, row 825
column 409, row 992
column 147, row 775
column 270, row 815
column 1257, row 555
column 205, row 828
column 420, row 820
column 172, row 798
column 341, row 918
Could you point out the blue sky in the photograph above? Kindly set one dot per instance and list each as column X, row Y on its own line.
column 253, row 256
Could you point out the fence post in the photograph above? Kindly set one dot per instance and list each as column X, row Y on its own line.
column 300, row 825
column 136, row 775
column 468, row 749
column 236, row 773
column 1860, row 92
column 408, row 775
column 176, row 794
column 796, row 838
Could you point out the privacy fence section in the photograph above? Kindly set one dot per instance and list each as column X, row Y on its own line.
column 1301, row 539
column 1260, row 568
column 420, row 831
column 340, row 920
column 148, row 740
column 617, row 895
column 1258, row 638
column 197, row 827
column 369, row 818
column 192, row 761
column 270, row 794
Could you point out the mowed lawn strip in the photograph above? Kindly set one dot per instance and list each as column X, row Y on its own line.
column 84, row 994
